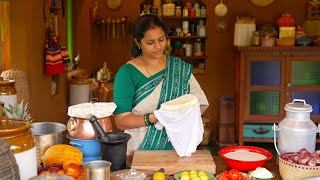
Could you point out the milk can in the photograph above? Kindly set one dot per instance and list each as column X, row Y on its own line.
column 296, row 130
column 18, row 134
column 8, row 93
column 243, row 31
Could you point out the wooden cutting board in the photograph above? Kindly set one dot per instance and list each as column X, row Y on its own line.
column 171, row 162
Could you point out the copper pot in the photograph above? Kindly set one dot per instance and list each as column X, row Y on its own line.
column 81, row 128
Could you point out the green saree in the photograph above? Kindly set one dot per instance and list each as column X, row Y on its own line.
column 175, row 83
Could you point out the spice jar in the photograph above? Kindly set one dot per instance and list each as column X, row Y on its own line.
column 79, row 89
column 8, row 93
column 18, row 134
column 178, row 11
column 168, row 8
column 255, row 38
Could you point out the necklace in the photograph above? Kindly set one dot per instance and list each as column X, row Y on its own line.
column 145, row 66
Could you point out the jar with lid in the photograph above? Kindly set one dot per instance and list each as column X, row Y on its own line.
column 243, row 30
column 102, row 93
column 168, row 8
column 203, row 12
column 8, row 93
column 185, row 11
column 197, row 48
column 255, row 38
column 178, row 11
column 201, row 28
column 17, row 133
column 196, row 7
column 299, row 32
column 79, row 91
column 188, row 49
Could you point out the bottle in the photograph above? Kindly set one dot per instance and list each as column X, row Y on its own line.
column 168, row 48
column 178, row 11
column 185, row 11
column 201, row 28
column 102, row 93
column 196, row 7
column 197, row 48
column 255, row 38
column 203, row 12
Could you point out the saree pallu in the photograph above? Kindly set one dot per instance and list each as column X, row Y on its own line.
column 175, row 83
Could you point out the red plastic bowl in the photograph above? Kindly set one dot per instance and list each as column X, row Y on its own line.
column 244, row 166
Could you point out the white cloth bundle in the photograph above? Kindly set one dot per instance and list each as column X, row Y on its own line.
column 181, row 118
column 86, row 110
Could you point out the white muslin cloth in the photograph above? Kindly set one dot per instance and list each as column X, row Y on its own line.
column 86, row 110
column 181, row 118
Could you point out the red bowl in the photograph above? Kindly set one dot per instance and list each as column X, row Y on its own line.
column 244, row 166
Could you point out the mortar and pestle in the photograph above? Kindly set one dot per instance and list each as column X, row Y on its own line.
column 113, row 145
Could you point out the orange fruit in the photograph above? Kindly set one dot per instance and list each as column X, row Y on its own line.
column 73, row 170
column 61, row 172
column 69, row 161
column 45, row 172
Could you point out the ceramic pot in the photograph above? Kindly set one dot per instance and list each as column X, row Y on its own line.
column 81, row 128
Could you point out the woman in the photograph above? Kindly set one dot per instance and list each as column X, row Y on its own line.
column 148, row 80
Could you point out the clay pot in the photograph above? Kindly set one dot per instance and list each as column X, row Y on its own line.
column 80, row 128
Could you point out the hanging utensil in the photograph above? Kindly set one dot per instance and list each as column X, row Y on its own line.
column 103, row 30
column 123, row 21
column 113, row 21
column 108, row 29
column 118, row 28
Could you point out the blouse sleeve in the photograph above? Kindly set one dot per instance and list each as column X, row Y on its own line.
column 123, row 91
column 196, row 90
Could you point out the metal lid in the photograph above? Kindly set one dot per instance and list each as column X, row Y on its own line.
column 298, row 105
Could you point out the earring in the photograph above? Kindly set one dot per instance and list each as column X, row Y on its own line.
column 139, row 47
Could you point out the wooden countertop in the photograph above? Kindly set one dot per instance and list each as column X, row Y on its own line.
column 221, row 166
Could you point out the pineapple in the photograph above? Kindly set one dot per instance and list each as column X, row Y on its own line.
column 17, row 111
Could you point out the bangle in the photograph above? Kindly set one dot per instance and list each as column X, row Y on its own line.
column 146, row 119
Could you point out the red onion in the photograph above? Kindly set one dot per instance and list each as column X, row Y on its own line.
column 317, row 159
column 295, row 158
column 303, row 151
column 312, row 162
column 314, row 154
column 303, row 160
column 318, row 151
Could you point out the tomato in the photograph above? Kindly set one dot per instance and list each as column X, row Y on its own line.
column 226, row 173
column 234, row 174
column 223, row 177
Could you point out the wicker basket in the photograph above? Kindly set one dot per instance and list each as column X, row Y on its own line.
column 9, row 168
column 291, row 171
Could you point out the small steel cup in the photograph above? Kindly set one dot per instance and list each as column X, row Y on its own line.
column 97, row 170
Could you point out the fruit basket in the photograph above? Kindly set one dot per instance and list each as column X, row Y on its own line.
column 58, row 169
column 288, row 170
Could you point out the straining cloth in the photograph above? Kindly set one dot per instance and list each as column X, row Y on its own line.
column 86, row 110
column 181, row 118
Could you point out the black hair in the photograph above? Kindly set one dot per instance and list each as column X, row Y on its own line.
column 143, row 24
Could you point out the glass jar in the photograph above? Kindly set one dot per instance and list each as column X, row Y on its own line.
column 79, row 91
column 255, row 38
column 102, row 93
column 8, row 93
column 178, row 11
column 17, row 133
column 168, row 8
column 185, row 12
column 203, row 12
column 188, row 49
column 197, row 47
column 201, row 28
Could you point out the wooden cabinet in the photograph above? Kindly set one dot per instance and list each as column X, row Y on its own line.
column 267, row 78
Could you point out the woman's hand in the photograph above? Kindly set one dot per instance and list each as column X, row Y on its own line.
column 127, row 120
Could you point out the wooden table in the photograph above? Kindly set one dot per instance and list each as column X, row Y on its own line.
column 221, row 166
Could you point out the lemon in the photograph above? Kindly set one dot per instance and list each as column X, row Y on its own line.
column 159, row 176
column 185, row 177
column 193, row 175
column 195, row 178
column 201, row 173
column 204, row 177
column 184, row 173
column 193, row 172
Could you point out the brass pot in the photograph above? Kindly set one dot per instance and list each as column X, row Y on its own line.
column 81, row 128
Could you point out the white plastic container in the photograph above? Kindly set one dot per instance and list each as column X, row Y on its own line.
column 243, row 31
column 79, row 91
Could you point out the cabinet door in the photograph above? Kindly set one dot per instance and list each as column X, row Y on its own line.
column 303, row 82
column 265, row 87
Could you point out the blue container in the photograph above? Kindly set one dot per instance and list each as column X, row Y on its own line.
column 89, row 148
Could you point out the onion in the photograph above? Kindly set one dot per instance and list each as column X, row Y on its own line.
column 303, row 160
column 317, row 159
column 290, row 161
column 303, row 151
column 314, row 154
column 318, row 151
column 295, row 158
column 312, row 162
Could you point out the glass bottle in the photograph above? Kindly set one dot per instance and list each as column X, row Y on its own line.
column 255, row 38
column 102, row 93
column 197, row 48
column 203, row 12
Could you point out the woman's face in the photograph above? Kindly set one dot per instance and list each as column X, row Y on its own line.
column 153, row 43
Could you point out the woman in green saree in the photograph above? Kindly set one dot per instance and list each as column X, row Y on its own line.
column 148, row 80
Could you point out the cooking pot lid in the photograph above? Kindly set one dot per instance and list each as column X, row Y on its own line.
column 86, row 110
column 298, row 105
column 12, row 126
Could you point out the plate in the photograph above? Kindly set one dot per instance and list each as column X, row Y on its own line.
column 177, row 175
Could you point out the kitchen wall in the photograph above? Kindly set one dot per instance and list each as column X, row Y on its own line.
column 28, row 41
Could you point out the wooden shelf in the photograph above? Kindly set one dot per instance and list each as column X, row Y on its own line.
column 186, row 37
column 277, row 48
column 182, row 17
column 192, row 57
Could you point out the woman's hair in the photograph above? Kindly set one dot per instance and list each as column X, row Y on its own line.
column 143, row 24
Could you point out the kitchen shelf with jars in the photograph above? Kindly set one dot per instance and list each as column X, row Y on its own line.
column 186, row 20
column 271, row 73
